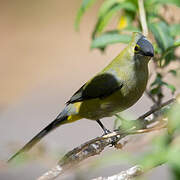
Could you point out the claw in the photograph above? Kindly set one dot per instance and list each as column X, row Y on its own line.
column 106, row 131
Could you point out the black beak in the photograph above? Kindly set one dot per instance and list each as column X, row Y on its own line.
column 149, row 50
column 149, row 53
column 146, row 47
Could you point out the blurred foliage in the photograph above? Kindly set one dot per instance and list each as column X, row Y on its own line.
column 164, row 32
column 166, row 147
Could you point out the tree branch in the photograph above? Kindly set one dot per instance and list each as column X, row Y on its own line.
column 142, row 15
column 124, row 175
column 97, row 145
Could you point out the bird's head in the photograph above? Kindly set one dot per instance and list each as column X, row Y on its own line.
column 141, row 47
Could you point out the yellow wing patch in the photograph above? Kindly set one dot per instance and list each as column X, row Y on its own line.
column 77, row 106
column 75, row 117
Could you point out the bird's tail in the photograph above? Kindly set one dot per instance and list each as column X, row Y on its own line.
column 61, row 119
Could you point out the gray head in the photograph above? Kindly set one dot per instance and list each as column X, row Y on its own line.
column 143, row 47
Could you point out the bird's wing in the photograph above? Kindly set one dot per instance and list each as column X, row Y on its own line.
column 100, row 86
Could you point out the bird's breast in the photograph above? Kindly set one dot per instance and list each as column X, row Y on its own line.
column 132, row 90
column 133, row 87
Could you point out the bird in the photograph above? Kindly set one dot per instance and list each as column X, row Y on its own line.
column 114, row 89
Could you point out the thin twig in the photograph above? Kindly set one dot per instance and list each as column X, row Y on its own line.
column 142, row 17
column 156, row 109
column 151, row 97
column 97, row 145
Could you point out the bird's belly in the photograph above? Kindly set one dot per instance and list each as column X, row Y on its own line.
column 98, row 108
column 121, row 100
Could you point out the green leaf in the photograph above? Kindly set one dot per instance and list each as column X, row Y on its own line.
column 158, row 83
column 174, row 151
column 164, row 40
column 84, row 6
column 155, row 90
column 175, row 29
column 173, row 72
column 170, row 50
column 162, row 35
column 171, row 87
column 153, row 16
column 117, row 121
column 158, row 80
column 132, row 29
column 173, row 116
column 174, row 2
column 105, row 17
column 177, row 43
column 108, row 4
column 109, row 38
column 153, row 159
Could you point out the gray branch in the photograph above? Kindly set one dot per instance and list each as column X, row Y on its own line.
column 124, row 175
column 150, row 121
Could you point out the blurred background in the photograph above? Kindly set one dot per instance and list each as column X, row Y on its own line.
column 43, row 61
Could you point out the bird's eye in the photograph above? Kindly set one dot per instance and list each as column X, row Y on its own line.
column 136, row 49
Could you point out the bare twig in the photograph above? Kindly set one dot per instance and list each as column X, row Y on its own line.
column 97, row 145
column 150, row 97
column 124, row 175
column 157, row 108
column 142, row 17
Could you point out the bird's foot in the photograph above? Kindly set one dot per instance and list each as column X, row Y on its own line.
column 106, row 131
column 113, row 139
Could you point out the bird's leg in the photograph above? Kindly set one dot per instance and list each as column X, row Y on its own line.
column 106, row 131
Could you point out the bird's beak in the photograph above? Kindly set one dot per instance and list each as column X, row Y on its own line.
column 146, row 47
column 149, row 50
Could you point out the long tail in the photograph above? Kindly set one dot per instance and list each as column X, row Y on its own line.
column 61, row 119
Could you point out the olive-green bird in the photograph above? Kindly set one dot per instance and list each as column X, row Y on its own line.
column 117, row 87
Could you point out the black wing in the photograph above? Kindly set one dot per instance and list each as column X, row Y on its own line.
column 100, row 86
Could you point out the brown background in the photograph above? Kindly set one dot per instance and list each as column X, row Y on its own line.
column 42, row 62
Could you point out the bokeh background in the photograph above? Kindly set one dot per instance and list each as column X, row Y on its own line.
column 43, row 61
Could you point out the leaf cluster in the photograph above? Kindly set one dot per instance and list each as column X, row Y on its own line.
column 166, row 147
column 164, row 32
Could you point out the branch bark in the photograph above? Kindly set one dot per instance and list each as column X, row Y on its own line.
column 98, row 144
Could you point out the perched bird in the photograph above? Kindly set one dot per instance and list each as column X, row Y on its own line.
column 117, row 87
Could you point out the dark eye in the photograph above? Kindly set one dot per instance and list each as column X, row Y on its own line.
column 136, row 49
